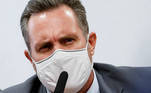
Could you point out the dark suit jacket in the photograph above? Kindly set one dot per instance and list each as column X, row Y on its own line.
column 111, row 79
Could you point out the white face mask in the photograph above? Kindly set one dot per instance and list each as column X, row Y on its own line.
column 75, row 62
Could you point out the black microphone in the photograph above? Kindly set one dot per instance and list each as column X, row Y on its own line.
column 61, row 82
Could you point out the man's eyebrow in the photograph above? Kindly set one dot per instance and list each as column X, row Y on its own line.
column 38, row 44
column 69, row 36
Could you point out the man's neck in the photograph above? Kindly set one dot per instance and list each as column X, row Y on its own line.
column 88, row 84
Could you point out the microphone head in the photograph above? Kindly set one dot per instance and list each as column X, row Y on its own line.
column 61, row 82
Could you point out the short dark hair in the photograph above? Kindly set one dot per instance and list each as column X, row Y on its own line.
column 36, row 6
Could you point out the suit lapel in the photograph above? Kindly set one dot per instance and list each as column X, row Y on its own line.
column 105, row 88
column 42, row 89
column 107, row 85
column 37, row 87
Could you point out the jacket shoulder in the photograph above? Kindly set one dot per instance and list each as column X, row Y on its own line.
column 140, row 73
column 24, row 87
column 130, row 78
column 107, row 68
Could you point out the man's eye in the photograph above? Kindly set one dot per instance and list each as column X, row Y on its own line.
column 45, row 48
column 68, row 41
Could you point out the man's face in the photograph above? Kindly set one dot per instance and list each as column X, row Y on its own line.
column 57, row 29
column 54, row 29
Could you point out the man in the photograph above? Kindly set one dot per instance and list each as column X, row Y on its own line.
column 57, row 36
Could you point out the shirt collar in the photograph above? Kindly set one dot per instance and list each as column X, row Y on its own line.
column 94, row 87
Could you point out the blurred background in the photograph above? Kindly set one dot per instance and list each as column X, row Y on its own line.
column 123, row 29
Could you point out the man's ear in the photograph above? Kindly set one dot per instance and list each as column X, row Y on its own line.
column 26, row 53
column 92, row 42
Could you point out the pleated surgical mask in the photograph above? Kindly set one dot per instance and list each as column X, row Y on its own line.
column 75, row 62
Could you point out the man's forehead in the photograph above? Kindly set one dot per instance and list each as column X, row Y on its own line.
column 40, row 21
column 59, row 13
column 61, row 9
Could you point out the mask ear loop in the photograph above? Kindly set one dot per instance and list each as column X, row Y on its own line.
column 31, row 57
column 87, row 43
